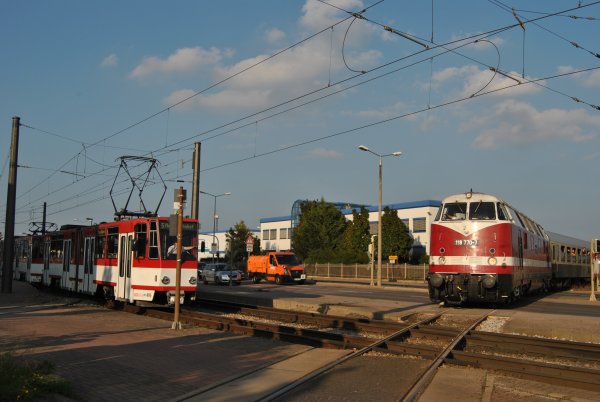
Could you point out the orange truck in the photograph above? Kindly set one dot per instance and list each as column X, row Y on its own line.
column 276, row 266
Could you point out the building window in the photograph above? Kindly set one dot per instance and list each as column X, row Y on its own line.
column 405, row 221
column 273, row 234
column 265, row 235
column 284, row 233
column 419, row 225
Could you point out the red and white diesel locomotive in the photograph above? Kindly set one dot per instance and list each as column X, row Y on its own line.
column 127, row 260
column 484, row 250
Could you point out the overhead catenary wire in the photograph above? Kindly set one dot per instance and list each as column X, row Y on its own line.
column 256, row 121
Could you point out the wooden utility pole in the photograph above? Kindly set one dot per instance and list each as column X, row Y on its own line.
column 9, row 223
column 196, row 180
column 176, row 322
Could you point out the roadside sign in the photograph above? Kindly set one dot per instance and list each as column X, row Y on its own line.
column 249, row 240
column 249, row 247
column 393, row 259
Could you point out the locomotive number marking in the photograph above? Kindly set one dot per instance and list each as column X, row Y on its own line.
column 471, row 243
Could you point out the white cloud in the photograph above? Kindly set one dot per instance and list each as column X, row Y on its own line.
column 592, row 78
column 274, row 35
column 317, row 15
column 110, row 61
column 182, row 61
column 309, row 65
column 322, row 153
column 518, row 123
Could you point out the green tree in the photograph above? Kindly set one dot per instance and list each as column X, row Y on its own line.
column 319, row 234
column 236, row 238
column 357, row 238
column 396, row 239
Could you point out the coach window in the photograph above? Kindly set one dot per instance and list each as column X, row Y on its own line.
column 140, row 238
column 482, row 211
column 456, row 211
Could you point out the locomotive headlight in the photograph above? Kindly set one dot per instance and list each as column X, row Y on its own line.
column 193, row 280
column 436, row 280
column 488, row 281
column 442, row 260
column 165, row 280
column 492, row 251
column 492, row 261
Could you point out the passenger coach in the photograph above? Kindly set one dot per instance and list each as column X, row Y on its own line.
column 483, row 249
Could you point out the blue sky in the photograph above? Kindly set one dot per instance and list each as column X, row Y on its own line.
column 93, row 81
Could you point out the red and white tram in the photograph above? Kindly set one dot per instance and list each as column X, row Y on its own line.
column 126, row 260
column 483, row 249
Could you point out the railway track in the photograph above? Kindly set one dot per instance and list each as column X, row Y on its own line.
column 434, row 338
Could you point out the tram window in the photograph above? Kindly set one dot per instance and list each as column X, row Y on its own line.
column 37, row 250
column 502, row 215
column 140, row 238
column 482, row 211
column 113, row 242
column 100, row 242
column 153, row 244
column 56, row 250
column 456, row 211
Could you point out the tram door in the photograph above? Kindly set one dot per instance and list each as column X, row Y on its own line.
column 64, row 281
column 46, row 268
column 125, row 255
column 88, row 264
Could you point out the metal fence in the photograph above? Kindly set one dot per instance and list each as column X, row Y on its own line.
column 390, row 272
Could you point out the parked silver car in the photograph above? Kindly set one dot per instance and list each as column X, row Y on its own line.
column 219, row 273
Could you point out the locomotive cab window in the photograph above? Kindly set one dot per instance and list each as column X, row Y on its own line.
column 502, row 214
column 456, row 211
column 482, row 211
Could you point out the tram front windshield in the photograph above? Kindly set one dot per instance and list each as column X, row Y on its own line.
column 168, row 244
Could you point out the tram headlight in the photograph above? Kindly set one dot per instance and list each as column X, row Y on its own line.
column 488, row 281
column 165, row 280
column 442, row 260
column 436, row 280
column 492, row 261
column 193, row 280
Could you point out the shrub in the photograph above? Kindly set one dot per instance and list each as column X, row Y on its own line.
column 22, row 379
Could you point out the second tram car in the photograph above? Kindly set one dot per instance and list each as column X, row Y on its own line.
column 128, row 260
column 484, row 250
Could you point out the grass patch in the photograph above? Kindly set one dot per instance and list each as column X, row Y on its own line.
column 22, row 379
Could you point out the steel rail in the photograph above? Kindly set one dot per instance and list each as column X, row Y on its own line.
column 421, row 383
column 557, row 374
column 340, row 322
column 530, row 345
column 324, row 369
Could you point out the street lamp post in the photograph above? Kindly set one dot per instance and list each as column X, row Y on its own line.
column 379, row 239
column 215, row 217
